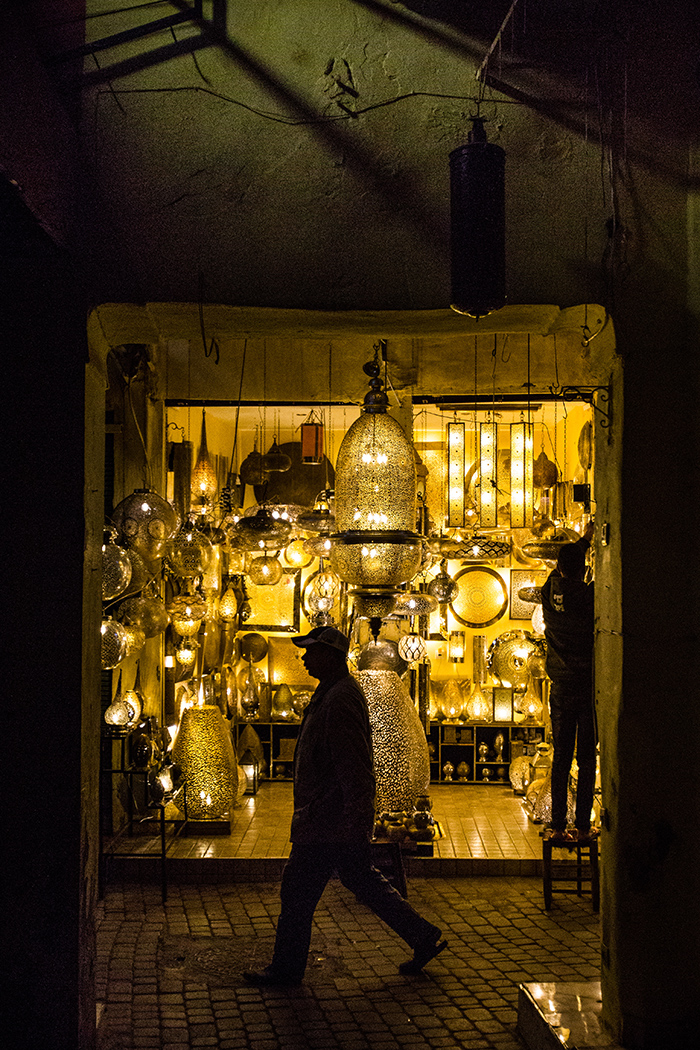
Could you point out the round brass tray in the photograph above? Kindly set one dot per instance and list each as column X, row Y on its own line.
column 482, row 597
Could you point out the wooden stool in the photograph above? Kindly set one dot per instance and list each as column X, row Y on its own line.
column 584, row 872
column 387, row 858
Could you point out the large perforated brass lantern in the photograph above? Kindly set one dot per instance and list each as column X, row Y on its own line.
column 204, row 751
column 376, row 547
column 399, row 746
column 146, row 522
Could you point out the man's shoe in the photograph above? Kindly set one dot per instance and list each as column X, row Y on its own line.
column 269, row 978
column 558, row 837
column 422, row 956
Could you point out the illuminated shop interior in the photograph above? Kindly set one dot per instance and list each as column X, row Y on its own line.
column 249, row 546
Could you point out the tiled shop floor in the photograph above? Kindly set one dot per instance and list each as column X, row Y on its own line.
column 476, row 822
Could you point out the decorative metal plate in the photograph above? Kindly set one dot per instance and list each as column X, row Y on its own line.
column 482, row 597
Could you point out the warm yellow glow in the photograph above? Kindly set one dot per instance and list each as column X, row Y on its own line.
column 455, row 475
column 186, row 652
column 521, row 468
column 503, row 706
column 204, row 481
column 205, row 752
column 228, row 606
column 478, row 707
column 488, row 450
column 456, row 647
column 375, row 477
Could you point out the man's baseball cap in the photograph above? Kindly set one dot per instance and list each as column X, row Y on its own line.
column 329, row 636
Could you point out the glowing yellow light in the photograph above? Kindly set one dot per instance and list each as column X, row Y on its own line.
column 488, row 448
column 455, row 473
column 521, row 475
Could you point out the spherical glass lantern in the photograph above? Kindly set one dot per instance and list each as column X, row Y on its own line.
column 442, row 586
column 147, row 612
column 300, row 701
column 319, row 546
column 115, row 641
column 265, row 571
column 412, row 648
column 116, row 567
column 118, row 716
column 189, row 551
column 318, row 604
column 296, row 555
column 146, row 521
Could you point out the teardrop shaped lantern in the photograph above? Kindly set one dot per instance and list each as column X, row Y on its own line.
column 204, row 482
column 275, row 460
column 376, row 548
column 478, row 224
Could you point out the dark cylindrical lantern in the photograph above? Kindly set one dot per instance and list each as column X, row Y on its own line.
column 478, row 225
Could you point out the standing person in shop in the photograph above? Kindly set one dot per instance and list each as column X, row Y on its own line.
column 567, row 606
column 334, row 790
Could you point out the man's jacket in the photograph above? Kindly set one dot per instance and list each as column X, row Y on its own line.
column 567, row 606
column 334, row 785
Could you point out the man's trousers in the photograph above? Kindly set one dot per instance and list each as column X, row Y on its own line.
column 573, row 724
column 304, row 879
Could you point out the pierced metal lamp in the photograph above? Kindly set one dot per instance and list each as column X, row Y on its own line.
column 204, row 751
column 203, row 483
column 376, row 547
column 455, row 475
column 521, row 475
column 488, row 467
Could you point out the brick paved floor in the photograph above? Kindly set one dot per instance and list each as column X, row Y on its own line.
column 169, row 975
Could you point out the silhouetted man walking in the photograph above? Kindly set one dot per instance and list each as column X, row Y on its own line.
column 334, row 790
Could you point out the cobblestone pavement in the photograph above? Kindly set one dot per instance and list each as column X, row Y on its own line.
column 168, row 976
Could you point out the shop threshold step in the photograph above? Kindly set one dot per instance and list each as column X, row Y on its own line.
column 243, row 869
column 567, row 1015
